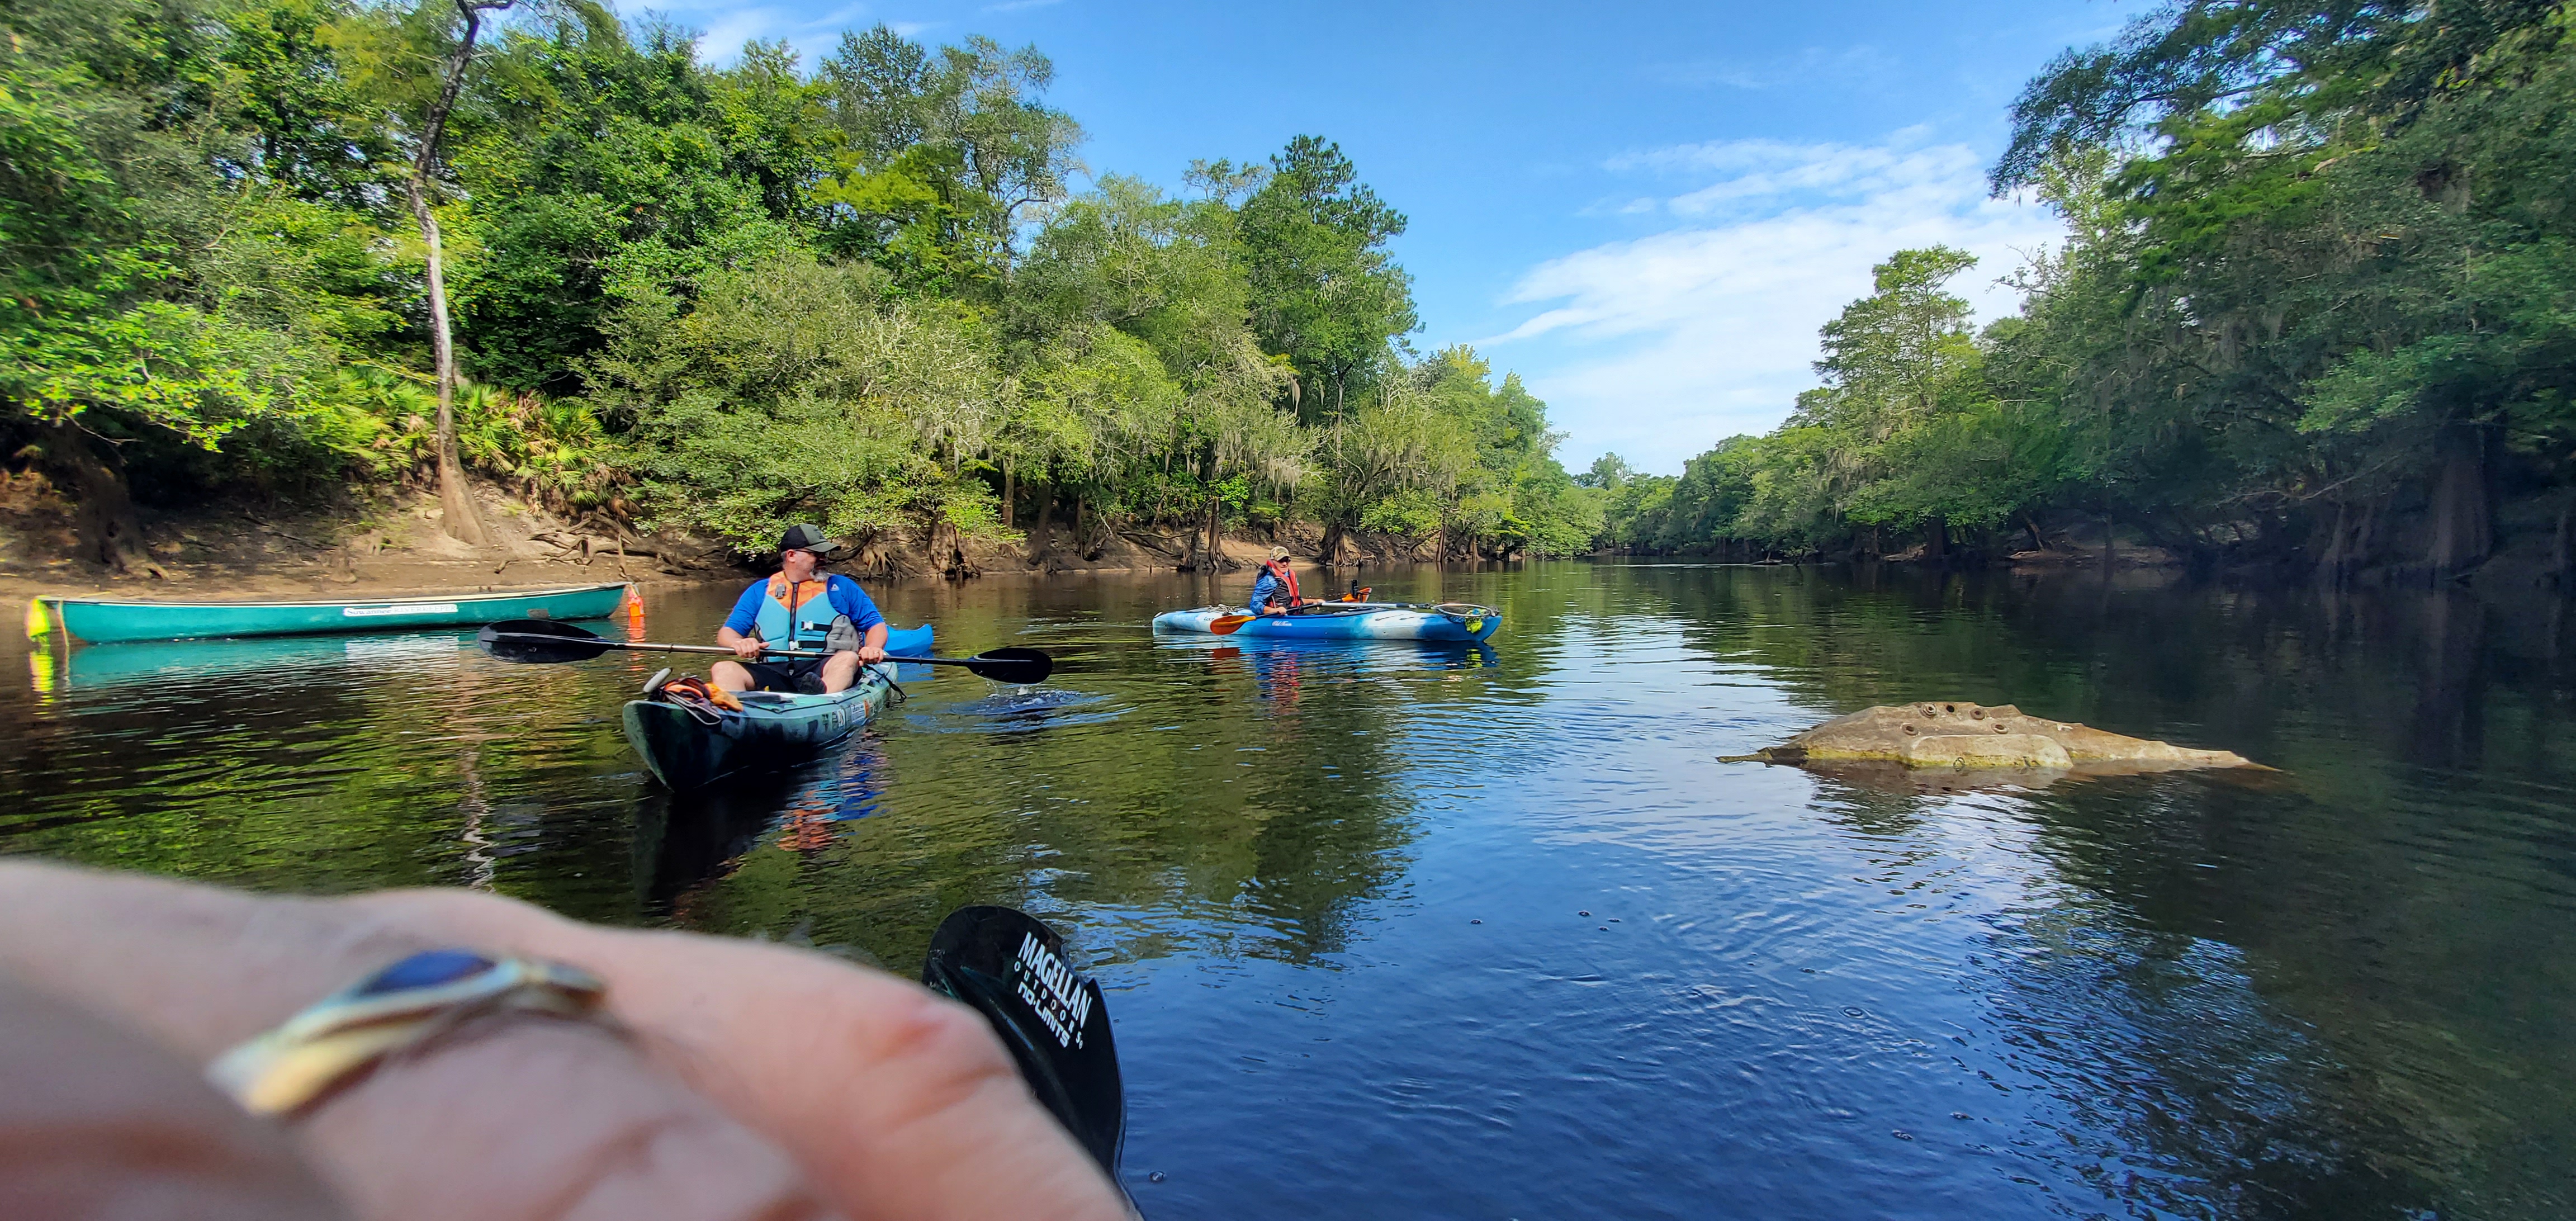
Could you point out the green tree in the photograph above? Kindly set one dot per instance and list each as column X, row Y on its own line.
column 796, row 390
column 2315, row 294
column 162, row 296
column 607, row 166
column 944, row 155
column 427, row 54
column 1609, row 472
column 262, row 245
column 1325, row 292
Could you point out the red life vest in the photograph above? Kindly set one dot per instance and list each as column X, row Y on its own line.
column 1280, row 572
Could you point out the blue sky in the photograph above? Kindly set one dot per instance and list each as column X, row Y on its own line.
column 1646, row 210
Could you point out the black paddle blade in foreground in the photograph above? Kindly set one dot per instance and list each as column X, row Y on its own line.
column 539, row 640
column 1010, row 967
column 1018, row 667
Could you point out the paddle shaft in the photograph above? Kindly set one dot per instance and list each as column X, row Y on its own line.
column 641, row 646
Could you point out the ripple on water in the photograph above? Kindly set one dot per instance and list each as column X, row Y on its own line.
column 1014, row 710
column 1393, row 930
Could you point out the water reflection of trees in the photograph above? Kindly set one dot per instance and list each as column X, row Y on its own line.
column 316, row 764
column 2334, row 993
column 2349, row 987
column 1244, row 799
column 1239, row 805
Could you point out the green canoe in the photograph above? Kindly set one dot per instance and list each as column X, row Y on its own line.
column 773, row 730
column 105, row 620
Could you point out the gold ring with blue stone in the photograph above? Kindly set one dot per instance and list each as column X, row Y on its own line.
column 396, row 1009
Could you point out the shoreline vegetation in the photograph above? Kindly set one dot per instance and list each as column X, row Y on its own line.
column 691, row 305
column 2313, row 318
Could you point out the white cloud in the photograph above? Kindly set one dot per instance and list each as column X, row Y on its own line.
column 728, row 28
column 1771, row 73
column 1660, row 346
column 726, row 34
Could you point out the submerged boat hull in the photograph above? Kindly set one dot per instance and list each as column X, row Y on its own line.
column 1348, row 621
column 772, row 731
column 108, row 620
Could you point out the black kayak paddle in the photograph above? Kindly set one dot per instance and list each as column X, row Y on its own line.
column 1010, row 967
column 545, row 642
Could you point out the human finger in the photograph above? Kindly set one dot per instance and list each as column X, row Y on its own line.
column 510, row 1118
column 97, row 1123
column 899, row 1103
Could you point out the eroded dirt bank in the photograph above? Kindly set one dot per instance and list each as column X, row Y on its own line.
column 392, row 542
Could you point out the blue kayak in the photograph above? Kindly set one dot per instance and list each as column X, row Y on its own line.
column 1457, row 622
column 773, row 730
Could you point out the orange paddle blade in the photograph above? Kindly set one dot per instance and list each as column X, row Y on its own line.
column 1224, row 625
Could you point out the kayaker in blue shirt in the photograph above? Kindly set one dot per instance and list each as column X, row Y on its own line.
column 1275, row 590
column 797, row 609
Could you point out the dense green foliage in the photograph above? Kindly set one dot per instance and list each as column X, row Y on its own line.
column 718, row 298
column 2317, row 306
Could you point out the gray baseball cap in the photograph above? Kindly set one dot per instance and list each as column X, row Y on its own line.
column 802, row 537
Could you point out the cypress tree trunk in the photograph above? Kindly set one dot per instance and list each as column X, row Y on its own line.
column 105, row 523
column 1042, row 531
column 2336, row 559
column 2562, row 554
column 2463, row 501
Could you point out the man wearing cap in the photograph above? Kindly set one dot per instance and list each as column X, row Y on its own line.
column 1275, row 590
column 797, row 609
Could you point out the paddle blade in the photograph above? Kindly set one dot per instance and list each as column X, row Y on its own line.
column 1018, row 667
column 1224, row 625
column 1010, row 967
column 540, row 641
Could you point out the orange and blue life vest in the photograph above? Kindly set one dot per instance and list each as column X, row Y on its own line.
column 800, row 615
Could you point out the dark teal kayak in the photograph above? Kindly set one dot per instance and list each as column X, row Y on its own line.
column 687, row 748
column 107, row 620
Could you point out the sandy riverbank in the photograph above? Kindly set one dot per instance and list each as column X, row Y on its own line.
column 391, row 543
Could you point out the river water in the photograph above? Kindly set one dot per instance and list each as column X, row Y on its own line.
column 1406, row 931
